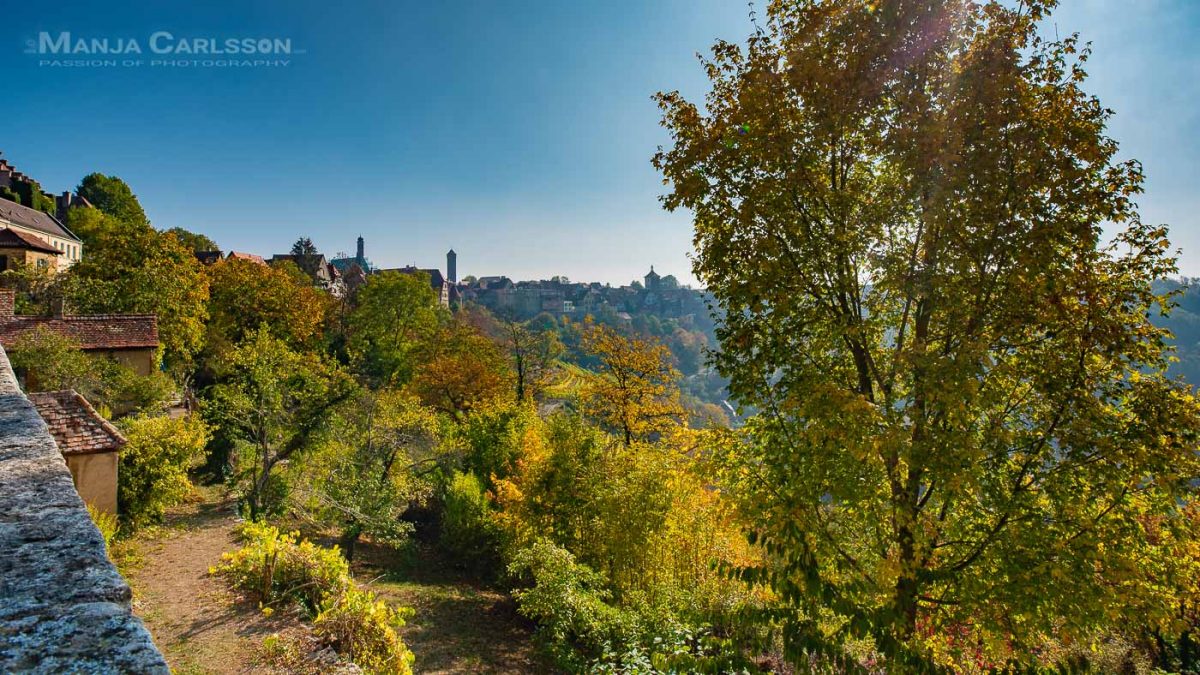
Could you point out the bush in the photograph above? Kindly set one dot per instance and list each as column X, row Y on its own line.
column 124, row 391
column 154, row 465
column 468, row 532
column 279, row 567
column 106, row 523
column 365, row 630
column 567, row 600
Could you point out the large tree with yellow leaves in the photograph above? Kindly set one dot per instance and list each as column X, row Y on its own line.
column 964, row 424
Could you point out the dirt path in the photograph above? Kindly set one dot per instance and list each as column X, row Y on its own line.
column 204, row 627
column 196, row 620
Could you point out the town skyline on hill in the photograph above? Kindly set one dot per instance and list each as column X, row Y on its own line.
column 524, row 132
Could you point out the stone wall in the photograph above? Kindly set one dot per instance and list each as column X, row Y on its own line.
column 64, row 608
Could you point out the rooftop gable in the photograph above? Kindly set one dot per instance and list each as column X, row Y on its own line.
column 21, row 215
column 75, row 425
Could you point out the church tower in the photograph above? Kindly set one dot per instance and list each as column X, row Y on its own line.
column 452, row 267
column 359, row 251
column 652, row 280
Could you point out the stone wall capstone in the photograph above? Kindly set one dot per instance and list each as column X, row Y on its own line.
column 64, row 608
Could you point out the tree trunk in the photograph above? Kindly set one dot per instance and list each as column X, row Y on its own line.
column 349, row 540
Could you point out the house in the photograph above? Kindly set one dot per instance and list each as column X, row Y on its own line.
column 207, row 258
column 20, row 249
column 238, row 255
column 89, row 443
column 44, row 227
column 322, row 272
column 129, row 339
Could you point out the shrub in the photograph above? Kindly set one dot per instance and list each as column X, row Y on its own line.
column 124, row 391
column 154, row 464
column 106, row 523
column 50, row 362
column 279, row 567
column 567, row 600
column 365, row 630
column 468, row 532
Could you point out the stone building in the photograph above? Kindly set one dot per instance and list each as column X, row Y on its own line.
column 89, row 443
column 21, row 249
column 23, row 220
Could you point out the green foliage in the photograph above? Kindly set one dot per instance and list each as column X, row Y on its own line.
column 492, row 438
column 114, row 197
column 36, row 289
column 124, row 391
column 108, row 524
column 271, row 407
column 30, row 194
column 154, row 464
column 198, row 243
column 281, row 569
column 366, row 630
column 134, row 269
column 567, row 600
column 468, row 531
column 362, row 474
column 51, row 362
column 395, row 313
column 965, row 428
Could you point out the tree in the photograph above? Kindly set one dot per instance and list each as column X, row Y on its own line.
column 50, row 362
column 395, row 313
column 136, row 269
column 154, row 465
column 196, row 242
column 366, row 473
column 114, row 197
column 899, row 209
column 89, row 225
column 244, row 296
column 307, row 257
column 636, row 391
column 533, row 356
column 271, row 407
column 460, row 370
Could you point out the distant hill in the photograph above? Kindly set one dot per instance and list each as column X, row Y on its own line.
column 1184, row 323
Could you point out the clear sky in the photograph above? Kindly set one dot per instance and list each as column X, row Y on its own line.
column 518, row 133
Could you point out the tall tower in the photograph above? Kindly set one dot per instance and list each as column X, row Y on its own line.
column 452, row 267
column 359, row 251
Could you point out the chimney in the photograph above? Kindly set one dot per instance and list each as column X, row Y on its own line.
column 359, row 254
column 8, row 300
column 452, row 267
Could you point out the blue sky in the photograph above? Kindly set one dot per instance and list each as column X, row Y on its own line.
column 518, row 133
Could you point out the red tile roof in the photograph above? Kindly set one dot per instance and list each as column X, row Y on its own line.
column 76, row 426
column 92, row 332
column 10, row 238
column 238, row 255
